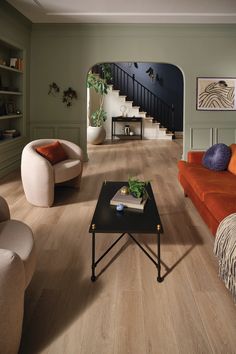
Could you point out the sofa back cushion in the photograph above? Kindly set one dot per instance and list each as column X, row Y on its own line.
column 217, row 157
column 232, row 161
column 53, row 152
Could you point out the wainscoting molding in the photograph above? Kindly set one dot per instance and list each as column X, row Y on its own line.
column 201, row 138
column 72, row 131
column 55, row 130
column 225, row 135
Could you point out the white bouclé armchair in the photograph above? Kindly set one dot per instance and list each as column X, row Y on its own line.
column 39, row 176
column 17, row 264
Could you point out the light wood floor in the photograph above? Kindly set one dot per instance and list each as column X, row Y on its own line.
column 126, row 310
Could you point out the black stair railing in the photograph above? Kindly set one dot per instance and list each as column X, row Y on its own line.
column 141, row 96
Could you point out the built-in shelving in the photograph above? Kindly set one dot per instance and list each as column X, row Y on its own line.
column 11, row 116
column 9, row 140
column 12, row 88
column 10, row 92
column 5, row 67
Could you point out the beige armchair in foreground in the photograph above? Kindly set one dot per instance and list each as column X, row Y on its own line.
column 17, row 264
column 39, row 176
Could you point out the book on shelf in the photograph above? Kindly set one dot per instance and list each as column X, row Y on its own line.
column 128, row 200
column 10, row 133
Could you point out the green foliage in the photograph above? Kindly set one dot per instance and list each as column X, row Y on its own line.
column 101, row 87
column 98, row 118
column 137, row 188
column 106, row 69
column 98, row 84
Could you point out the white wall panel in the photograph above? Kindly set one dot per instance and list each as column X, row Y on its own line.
column 201, row 138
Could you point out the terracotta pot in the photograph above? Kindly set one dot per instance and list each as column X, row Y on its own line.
column 96, row 135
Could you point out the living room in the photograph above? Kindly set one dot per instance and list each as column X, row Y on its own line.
column 123, row 311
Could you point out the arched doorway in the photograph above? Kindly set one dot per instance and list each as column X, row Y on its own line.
column 156, row 88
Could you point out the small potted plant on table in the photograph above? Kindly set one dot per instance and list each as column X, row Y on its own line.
column 137, row 188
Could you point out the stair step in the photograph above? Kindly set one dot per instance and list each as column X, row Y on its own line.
column 122, row 96
column 148, row 119
column 163, row 129
column 136, row 107
column 129, row 104
column 142, row 112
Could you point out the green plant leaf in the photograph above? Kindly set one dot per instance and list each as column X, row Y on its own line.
column 137, row 188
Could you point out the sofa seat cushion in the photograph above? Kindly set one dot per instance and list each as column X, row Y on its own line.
column 17, row 237
column 204, row 181
column 66, row 170
column 183, row 165
column 220, row 204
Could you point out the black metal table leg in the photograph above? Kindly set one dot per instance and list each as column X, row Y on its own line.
column 159, row 278
column 93, row 277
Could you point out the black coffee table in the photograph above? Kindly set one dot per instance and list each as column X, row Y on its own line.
column 107, row 219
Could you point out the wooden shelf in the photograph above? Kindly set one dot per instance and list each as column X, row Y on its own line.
column 10, row 92
column 5, row 67
column 11, row 116
column 9, row 140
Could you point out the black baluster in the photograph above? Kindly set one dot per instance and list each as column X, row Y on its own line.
column 133, row 86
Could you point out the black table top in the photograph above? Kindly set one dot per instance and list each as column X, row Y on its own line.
column 108, row 220
column 126, row 119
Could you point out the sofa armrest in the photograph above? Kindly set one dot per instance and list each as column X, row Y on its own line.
column 12, row 290
column 4, row 210
column 72, row 150
column 195, row 156
column 37, row 176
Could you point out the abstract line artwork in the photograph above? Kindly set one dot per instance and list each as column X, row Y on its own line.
column 216, row 94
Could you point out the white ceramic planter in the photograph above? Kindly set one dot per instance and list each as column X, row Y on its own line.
column 96, row 135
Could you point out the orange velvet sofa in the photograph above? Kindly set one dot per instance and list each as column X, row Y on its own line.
column 213, row 193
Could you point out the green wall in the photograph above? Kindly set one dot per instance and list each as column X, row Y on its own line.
column 15, row 29
column 64, row 54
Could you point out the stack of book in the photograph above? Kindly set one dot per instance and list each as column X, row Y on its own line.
column 10, row 133
column 19, row 64
column 128, row 200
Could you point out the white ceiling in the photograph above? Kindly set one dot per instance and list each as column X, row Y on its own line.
column 127, row 11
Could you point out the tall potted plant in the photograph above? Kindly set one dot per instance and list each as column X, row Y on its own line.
column 96, row 132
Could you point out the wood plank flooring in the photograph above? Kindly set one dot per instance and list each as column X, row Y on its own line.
column 126, row 310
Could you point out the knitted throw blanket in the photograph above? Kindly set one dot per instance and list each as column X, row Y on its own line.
column 225, row 251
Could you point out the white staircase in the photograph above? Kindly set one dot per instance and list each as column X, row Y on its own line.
column 112, row 105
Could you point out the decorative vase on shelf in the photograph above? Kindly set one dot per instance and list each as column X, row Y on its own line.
column 127, row 129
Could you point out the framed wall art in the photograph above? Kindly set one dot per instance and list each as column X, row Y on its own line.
column 216, row 94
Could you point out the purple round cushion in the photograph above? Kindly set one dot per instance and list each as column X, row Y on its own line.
column 217, row 157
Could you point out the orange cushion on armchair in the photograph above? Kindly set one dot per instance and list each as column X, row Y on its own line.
column 232, row 161
column 53, row 152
